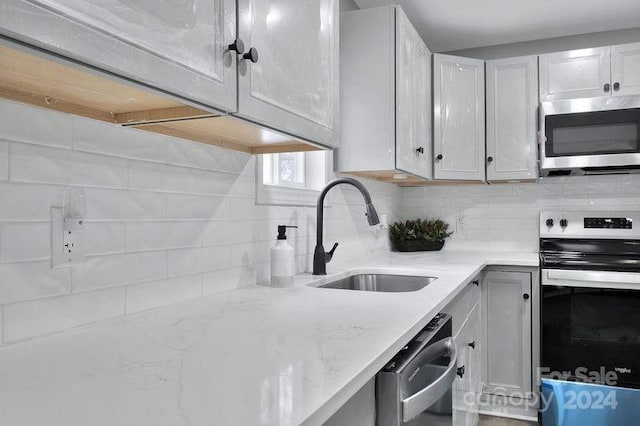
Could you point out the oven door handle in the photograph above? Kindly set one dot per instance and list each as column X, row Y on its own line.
column 591, row 279
column 426, row 397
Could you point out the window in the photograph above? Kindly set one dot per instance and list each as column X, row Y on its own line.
column 291, row 178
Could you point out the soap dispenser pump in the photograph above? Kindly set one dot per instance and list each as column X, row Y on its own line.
column 283, row 264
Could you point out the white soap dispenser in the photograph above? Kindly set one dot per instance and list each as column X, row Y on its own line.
column 283, row 263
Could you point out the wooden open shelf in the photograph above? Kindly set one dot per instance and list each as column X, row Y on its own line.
column 50, row 82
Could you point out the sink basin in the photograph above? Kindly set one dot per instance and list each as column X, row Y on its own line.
column 380, row 282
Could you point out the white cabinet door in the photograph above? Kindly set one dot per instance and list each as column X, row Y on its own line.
column 460, row 385
column 458, row 118
column 293, row 85
column 583, row 73
column 506, row 308
column 625, row 69
column 180, row 47
column 474, row 348
column 413, row 100
column 512, row 102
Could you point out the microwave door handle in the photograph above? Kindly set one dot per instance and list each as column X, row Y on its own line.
column 426, row 397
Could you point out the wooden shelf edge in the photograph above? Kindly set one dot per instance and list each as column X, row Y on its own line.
column 155, row 116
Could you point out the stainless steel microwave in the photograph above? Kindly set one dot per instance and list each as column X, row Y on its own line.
column 590, row 136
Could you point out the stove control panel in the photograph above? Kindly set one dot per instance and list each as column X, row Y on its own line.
column 608, row 223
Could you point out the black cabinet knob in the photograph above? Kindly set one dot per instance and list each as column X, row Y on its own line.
column 616, row 86
column 525, row 296
column 564, row 223
column 607, row 87
column 460, row 372
column 439, row 157
column 251, row 55
column 472, row 345
column 237, row 46
column 549, row 222
column 489, row 159
column 420, row 150
column 476, row 282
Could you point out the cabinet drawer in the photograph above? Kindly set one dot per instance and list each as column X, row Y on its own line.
column 463, row 304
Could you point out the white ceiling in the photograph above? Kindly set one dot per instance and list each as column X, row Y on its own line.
column 460, row 24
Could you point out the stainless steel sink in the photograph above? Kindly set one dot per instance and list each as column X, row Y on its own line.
column 380, row 282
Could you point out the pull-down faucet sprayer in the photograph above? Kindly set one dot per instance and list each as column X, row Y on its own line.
column 320, row 257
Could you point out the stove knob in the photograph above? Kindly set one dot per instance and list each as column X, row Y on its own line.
column 549, row 222
column 564, row 223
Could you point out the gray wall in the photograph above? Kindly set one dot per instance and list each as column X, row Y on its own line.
column 558, row 44
column 347, row 5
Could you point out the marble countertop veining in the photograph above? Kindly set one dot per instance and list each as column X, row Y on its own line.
column 253, row 356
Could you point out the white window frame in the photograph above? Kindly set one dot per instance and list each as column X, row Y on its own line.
column 285, row 195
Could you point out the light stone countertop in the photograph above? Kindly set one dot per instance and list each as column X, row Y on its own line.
column 254, row 356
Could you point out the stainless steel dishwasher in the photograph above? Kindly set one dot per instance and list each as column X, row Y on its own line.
column 414, row 388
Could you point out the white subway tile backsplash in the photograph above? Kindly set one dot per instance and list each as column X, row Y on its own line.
column 26, row 202
column 1, row 325
column 25, row 123
column 105, row 138
column 200, row 259
column 121, row 205
column 103, row 238
column 32, row 280
column 202, row 207
column 153, row 294
column 158, row 177
column 119, row 269
column 33, row 163
column 160, row 235
column 25, row 241
column 208, row 157
column 226, row 233
column 4, row 160
column 39, row 317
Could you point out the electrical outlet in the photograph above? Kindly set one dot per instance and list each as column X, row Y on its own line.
column 67, row 240
column 460, row 222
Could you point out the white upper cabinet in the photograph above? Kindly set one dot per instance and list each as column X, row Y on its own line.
column 585, row 73
column 512, row 101
column 178, row 47
column 274, row 63
column 385, row 75
column 458, row 118
column 292, row 83
column 413, row 100
column 625, row 69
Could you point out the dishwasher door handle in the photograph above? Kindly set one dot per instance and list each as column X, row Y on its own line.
column 426, row 397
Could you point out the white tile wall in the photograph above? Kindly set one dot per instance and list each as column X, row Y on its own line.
column 506, row 216
column 4, row 160
column 166, row 220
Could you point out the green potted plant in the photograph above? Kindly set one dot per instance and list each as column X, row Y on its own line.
column 419, row 234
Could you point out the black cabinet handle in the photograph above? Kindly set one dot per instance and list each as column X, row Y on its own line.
column 237, row 46
column 489, row 159
column 439, row 157
column 251, row 55
column 607, row 87
column 420, row 150
column 472, row 345
column 460, row 372
column 476, row 282
column 616, row 86
column 525, row 296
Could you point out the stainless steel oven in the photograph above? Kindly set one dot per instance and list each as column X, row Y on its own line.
column 590, row 312
column 415, row 387
column 590, row 136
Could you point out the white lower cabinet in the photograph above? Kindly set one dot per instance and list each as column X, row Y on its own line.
column 465, row 311
column 507, row 321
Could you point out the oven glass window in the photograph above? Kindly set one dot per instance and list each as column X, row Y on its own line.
column 592, row 328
